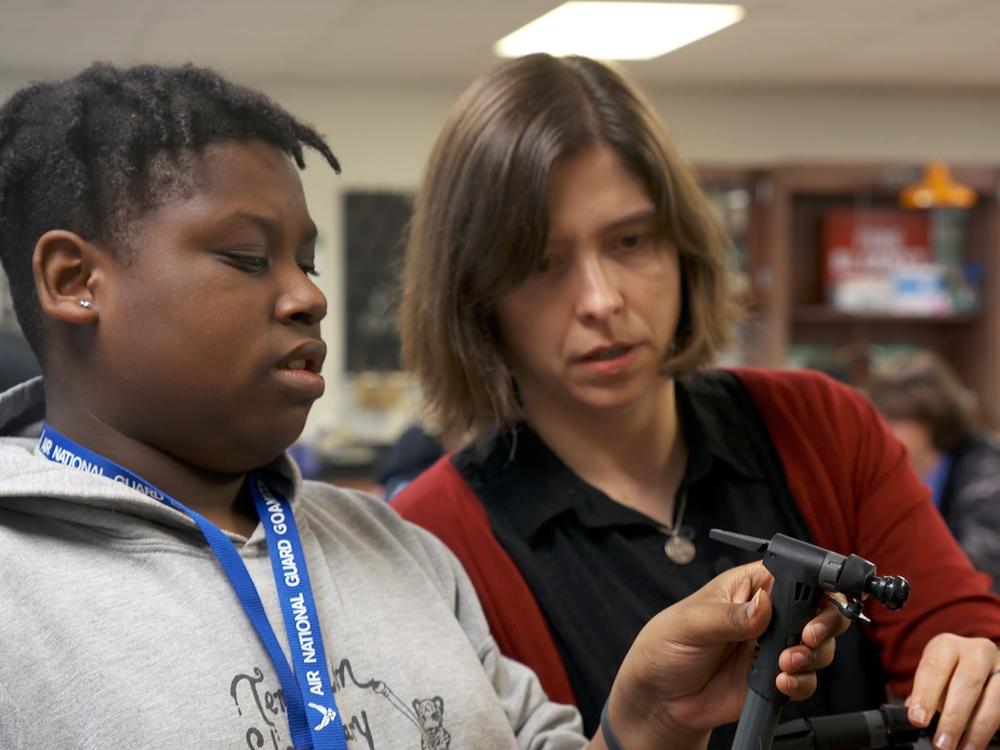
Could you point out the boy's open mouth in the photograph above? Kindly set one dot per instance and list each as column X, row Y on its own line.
column 306, row 357
column 309, row 365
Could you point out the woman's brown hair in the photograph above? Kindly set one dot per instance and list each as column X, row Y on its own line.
column 480, row 226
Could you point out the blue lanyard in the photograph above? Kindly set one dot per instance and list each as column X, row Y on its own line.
column 310, row 684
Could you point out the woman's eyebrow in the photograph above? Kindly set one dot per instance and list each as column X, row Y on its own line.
column 635, row 217
column 629, row 219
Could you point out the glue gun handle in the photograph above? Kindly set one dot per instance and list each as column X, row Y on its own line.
column 758, row 723
column 793, row 605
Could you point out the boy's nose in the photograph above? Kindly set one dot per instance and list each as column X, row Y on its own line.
column 302, row 301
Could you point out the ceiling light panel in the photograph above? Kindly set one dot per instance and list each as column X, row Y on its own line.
column 618, row 31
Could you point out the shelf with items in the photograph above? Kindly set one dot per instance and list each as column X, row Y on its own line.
column 822, row 313
column 944, row 300
column 734, row 193
column 730, row 193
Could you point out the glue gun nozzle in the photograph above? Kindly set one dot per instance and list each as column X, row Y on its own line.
column 742, row 541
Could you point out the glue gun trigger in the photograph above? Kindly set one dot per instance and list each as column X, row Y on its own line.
column 851, row 610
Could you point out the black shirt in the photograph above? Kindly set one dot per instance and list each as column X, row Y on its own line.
column 598, row 569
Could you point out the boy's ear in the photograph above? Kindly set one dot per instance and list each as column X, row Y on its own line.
column 64, row 266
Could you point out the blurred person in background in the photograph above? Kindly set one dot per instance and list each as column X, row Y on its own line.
column 414, row 452
column 933, row 415
column 17, row 362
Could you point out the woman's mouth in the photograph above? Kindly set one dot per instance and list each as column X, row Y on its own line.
column 607, row 353
column 609, row 360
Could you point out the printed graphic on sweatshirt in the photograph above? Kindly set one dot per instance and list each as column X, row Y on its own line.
column 368, row 698
column 266, row 713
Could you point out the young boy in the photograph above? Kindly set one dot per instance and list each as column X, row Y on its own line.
column 163, row 560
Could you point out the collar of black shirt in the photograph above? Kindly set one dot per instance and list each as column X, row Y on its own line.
column 534, row 485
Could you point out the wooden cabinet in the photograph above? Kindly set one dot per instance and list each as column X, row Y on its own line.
column 783, row 257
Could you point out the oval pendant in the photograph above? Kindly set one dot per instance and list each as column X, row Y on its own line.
column 679, row 549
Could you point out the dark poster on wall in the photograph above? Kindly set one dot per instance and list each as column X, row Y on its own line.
column 375, row 226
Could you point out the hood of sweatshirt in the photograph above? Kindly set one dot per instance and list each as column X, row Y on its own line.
column 33, row 485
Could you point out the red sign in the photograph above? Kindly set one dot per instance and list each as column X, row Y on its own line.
column 873, row 243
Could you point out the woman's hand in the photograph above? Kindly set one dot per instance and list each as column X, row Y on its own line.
column 687, row 670
column 960, row 677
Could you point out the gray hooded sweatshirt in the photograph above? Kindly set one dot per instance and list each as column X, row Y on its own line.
column 118, row 628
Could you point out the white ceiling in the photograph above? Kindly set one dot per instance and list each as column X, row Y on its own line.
column 921, row 43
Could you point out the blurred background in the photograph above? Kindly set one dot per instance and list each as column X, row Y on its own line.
column 852, row 149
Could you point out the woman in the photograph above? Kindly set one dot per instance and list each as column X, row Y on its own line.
column 564, row 282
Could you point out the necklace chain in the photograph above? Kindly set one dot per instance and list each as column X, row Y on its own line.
column 675, row 527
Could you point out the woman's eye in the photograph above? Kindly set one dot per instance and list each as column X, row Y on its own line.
column 309, row 269
column 632, row 241
column 550, row 263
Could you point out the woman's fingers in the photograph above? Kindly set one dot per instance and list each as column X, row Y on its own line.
column 939, row 660
column 963, row 707
column 985, row 718
column 956, row 677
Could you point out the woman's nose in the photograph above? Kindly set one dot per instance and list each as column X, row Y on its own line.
column 598, row 293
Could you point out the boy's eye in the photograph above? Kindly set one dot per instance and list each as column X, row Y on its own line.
column 246, row 262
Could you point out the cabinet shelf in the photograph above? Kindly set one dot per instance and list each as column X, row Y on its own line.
column 826, row 314
column 783, row 262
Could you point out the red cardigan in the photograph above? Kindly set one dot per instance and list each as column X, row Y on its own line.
column 851, row 481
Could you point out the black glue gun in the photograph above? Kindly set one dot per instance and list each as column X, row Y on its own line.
column 802, row 573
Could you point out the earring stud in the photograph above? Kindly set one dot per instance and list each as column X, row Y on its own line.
column 85, row 303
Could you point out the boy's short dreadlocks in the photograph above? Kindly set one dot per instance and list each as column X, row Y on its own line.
column 91, row 154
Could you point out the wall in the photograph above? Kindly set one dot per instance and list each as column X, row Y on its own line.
column 383, row 136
